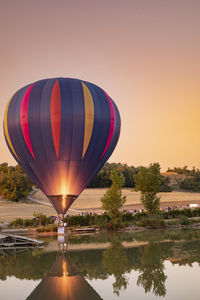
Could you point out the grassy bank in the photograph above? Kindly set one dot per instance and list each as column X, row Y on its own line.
column 185, row 217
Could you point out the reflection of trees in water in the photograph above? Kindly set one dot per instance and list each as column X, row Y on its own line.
column 186, row 234
column 150, row 265
column 30, row 265
column 116, row 262
column 96, row 264
column 151, row 272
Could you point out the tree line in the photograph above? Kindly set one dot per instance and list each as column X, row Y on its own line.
column 15, row 184
column 190, row 183
column 103, row 179
column 184, row 170
column 192, row 180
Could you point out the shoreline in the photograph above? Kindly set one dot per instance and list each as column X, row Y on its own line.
column 32, row 231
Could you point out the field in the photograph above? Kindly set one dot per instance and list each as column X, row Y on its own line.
column 89, row 200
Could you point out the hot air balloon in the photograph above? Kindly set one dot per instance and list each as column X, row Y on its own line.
column 61, row 131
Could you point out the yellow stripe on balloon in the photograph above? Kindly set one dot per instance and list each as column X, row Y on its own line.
column 6, row 130
column 89, row 117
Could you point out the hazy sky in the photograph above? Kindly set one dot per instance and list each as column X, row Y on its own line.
column 145, row 54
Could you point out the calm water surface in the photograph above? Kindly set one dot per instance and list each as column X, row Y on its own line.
column 144, row 265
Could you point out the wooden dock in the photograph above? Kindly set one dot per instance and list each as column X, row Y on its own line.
column 10, row 241
column 84, row 229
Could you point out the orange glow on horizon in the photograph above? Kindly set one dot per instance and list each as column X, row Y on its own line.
column 152, row 74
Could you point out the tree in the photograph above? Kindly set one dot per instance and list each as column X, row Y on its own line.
column 165, row 185
column 14, row 183
column 148, row 181
column 191, row 183
column 113, row 200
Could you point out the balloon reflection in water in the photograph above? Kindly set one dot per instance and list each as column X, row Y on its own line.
column 63, row 283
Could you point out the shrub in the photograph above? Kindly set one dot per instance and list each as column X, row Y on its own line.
column 27, row 222
column 172, row 222
column 48, row 228
column 184, row 220
column 40, row 229
column 152, row 222
column 54, row 228
column 17, row 223
column 191, row 183
column 34, row 222
column 188, row 212
column 127, row 217
column 88, row 220
column 109, row 226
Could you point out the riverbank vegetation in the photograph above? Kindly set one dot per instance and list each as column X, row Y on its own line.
column 14, row 185
column 185, row 217
column 38, row 220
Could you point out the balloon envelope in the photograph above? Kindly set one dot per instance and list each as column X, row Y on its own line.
column 61, row 131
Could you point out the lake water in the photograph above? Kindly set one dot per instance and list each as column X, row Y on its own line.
column 143, row 265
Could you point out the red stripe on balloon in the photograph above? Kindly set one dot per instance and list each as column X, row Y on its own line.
column 56, row 116
column 24, row 119
column 112, row 124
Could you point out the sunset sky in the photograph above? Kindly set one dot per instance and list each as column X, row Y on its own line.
column 145, row 54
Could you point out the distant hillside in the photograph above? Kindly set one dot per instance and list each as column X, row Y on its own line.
column 174, row 178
